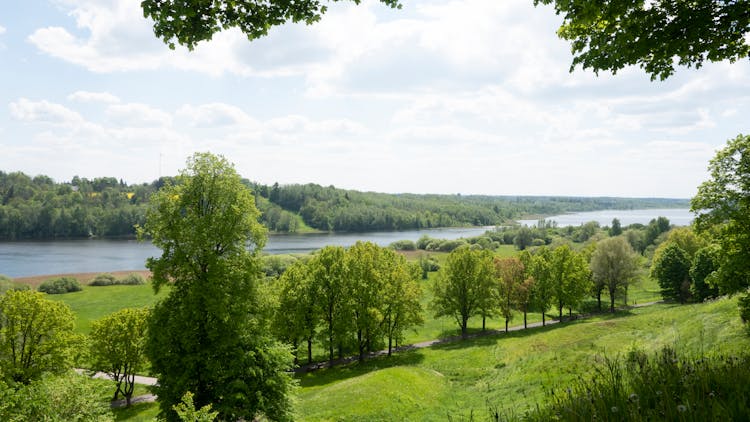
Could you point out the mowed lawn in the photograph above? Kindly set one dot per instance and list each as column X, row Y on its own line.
column 511, row 372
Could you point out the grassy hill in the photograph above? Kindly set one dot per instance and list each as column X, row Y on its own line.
column 514, row 371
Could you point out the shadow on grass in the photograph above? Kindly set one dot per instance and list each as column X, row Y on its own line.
column 355, row 369
column 137, row 412
column 479, row 338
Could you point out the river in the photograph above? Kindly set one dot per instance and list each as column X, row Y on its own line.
column 28, row 258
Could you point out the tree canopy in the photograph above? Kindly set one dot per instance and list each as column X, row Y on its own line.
column 723, row 207
column 208, row 336
column 656, row 35
column 188, row 22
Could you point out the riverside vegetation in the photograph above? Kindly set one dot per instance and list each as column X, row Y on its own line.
column 501, row 375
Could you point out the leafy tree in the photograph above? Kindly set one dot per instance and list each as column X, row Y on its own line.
column 328, row 272
column 615, row 229
column 298, row 314
column 656, row 35
column 208, row 335
column 401, row 308
column 6, row 283
column 723, row 207
column 510, row 277
column 365, row 285
column 36, row 336
column 569, row 275
column 523, row 238
column 539, row 269
column 189, row 22
column 672, row 270
column 703, row 273
column 614, row 264
column 462, row 284
column 117, row 348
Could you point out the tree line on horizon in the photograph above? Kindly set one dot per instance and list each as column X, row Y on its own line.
column 39, row 208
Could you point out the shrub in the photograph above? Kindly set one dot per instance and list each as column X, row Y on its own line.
column 7, row 284
column 451, row 245
column 744, row 304
column 403, row 245
column 132, row 279
column 60, row 285
column 104, row 279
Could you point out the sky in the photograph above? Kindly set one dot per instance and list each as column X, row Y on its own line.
column 442, row 96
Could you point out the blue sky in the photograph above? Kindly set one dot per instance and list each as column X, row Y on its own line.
column 463, row 96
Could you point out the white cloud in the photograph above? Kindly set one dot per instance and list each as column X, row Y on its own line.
column 138, row 115
column 44, row 112
column 214, row 115
column 93, row 97
column 2, row 30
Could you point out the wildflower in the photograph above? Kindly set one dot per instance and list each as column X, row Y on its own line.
column 633, row 397
column 681, row 408
column 711, row 394
column 614, row 409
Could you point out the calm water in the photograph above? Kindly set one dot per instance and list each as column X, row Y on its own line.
column 18, row 259
column 676, row 216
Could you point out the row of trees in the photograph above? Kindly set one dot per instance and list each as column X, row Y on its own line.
column 354, row 299
column 474, row 283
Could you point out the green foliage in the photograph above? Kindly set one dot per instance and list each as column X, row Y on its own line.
column 276, row 265
column 703, row 273
column 403, row 245
column 663, row 386
column 209, row 335
column 117, row 347
column 672, row 270
column 187, row 412
column 616, row 228
column 60, row 285
column 54, row 398
column 6, row 283
column 744, row 304
column 656, row 35
column 36, row 336
column 298, row 313
column 723, row 207
column 614, row 266
column 569, row 277
column 463, row 287
column 428, row 264
column 188, row 23
column 104, row 279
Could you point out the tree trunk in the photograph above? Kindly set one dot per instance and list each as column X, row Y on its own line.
column 506, row 325
column 309, row 350
column 463, row 327
column 483, row 320
column 611, row 303
column 543, row 320
column 390, row 342
column 361, row 346
column 599, row 300
column 524, row 319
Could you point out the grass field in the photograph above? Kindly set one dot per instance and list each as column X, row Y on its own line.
column 510, row 372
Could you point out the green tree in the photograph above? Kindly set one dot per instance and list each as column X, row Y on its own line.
column 656, row 35
column 328, row 272
column 401, row 307
column 703, row 273
column 365, row 285
column 36, row 336
column 722, row 205
column 569, row 275
column 462, row 284
column 187, row 412
column 523, row 238
column 189, row 22
column 672, row 270
column 117, row 348
column 510, row 275
column 207, row 336
column 614, row 264
column 539, row 269
column 297, row 316
column 615, row 229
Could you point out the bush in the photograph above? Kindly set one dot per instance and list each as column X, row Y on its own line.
column 451, row 245
column 7, row 284
column 403, row 245
column 104, row 279
column 132, row 279
column 56, row 286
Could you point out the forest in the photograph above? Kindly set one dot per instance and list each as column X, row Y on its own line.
column 40, row 208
